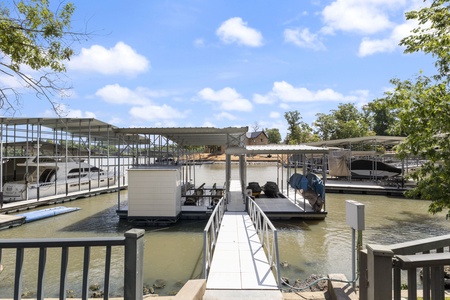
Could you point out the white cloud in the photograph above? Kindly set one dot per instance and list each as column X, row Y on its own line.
column 152, row 112
column 67, row 112
column 274, row 115
column 235, row 30
column 364, row 17
column 303, row 38
column 199, row 43
column 121, row 59
column 285, row 106
column 12, row 82
column 371, row 46
column 140, row 98
column 208, row 124
column 225, row 116
column 227, row 98
column 116, row 94
column 286, row 93
column 262, row 99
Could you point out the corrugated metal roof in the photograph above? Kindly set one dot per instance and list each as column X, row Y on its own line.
column 277, row 149
column 379, row 139
column 194, row 136
column 189, row 136
column 75, row 126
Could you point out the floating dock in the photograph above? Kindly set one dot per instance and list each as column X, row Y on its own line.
column 364, row 187
column 10, row 221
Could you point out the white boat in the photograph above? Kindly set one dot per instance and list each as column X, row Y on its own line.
column 367, row 169
column 55, row 176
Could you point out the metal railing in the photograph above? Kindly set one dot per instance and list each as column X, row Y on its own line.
column 210, row 234
column 132, row 242
column 268, row 235
column 381, row 267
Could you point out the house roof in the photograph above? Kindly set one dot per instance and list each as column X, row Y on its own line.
column 254, row 134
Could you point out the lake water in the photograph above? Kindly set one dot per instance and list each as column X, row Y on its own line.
column 174, row 253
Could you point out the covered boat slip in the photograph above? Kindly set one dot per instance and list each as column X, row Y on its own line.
column 50, row 160
column 197, row 200
column 281, row 207
column 289, row 202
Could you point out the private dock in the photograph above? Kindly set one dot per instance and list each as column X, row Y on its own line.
column 240, row 268
column 9, row 220
column 365, row 187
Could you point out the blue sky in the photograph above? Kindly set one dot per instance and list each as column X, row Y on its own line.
column 228, row 63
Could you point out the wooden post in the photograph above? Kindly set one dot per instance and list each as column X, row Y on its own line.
column 379, row 267
column 134, row 258
column 363, row 280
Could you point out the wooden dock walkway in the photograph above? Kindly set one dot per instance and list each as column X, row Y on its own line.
column 239, row 269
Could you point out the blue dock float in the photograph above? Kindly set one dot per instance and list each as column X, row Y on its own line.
column 47, row 213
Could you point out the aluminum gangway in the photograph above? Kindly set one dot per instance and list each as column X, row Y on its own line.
column 240, row 268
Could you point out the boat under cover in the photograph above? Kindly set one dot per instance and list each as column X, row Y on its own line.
column 311, row 187
column 53, row 177
column 368, row 169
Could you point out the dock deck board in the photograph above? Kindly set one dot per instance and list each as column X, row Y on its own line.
column 239, row 261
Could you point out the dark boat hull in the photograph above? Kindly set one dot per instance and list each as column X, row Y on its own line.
column 368, row 169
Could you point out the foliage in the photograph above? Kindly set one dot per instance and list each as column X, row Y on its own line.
column 298, row 131
column 423, row 106
column 432, row 36
column 424, row 112
column 33, row 36
column 344, row 122
column 273, row 135
column 381, row 118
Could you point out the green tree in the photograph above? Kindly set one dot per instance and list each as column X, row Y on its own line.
column 432, row 35
column 273, row 135
column 341, row 123
column 298, row 131
column 423, row 106
column 325, row 125
column 380, row 117
column 32, row 35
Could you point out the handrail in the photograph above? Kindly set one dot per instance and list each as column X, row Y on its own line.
column 210, row 234
column 132, row 242
column 269, row 241
column 387, row 260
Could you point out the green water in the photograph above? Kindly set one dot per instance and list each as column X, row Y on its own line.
column 174, row 253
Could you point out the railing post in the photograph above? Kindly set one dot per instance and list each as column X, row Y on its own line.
column 134, row 258
column 205, row 253
column 363, row 275
column 379, row 267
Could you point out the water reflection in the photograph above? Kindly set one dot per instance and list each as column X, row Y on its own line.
column 174, row 253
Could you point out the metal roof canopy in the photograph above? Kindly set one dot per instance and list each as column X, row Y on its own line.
column 186, row 136
column 74, row 126
column 194, row 136
column 379, row 139
column 277, row 149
